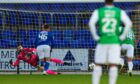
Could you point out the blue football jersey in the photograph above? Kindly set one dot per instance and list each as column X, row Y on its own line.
column 44, row 38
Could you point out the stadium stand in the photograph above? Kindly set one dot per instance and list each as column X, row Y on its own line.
column 66, row 7
column 72, row 38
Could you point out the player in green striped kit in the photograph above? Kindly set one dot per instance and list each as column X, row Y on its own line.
column 128, row 45
column 108, row 48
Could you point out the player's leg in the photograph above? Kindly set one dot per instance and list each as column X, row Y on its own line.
column 130, row 55
column 41, row 56
column 113, row 73
column 58, row 61
column 121, row 63
column 55, row 60
column 48, row 59
column 113, row 60
column 100, row 58
column 33, row 61
column 47, row 70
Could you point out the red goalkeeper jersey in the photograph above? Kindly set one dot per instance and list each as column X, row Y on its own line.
column 24, row 55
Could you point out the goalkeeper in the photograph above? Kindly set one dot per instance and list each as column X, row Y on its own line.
column 29, row 56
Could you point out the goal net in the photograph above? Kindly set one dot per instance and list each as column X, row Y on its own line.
column 73, row 41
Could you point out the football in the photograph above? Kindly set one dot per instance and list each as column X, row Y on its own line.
column 92, row 66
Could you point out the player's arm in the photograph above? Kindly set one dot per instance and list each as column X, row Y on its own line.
column 92, row 25
column 127, row 23
column 15, row 63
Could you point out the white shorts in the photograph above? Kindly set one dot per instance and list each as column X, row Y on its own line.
column 107, row 53
column 43, row 51
column 129, row 50
column 121, row 61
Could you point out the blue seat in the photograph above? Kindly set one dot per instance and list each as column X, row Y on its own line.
column 27, row 21
column 136, row 62
column 24, row 36
column 60, row 19
column 33, row 33
column 9, row 43
column 71, row 19
column 27, row 38
column 58, row 34
column 0, row 18
column 28, row 42
column 22, row 33
column 8, row 34
column 75, row 44
column 28, row 18
column 46, row 18
column 83, row 34
column 3, row 43
column 67, row 7
column 69, row 34
column 88, row 43
column 12, row 18
column 61, row 44
column 138, row 44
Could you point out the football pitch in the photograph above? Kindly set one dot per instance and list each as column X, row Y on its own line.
column 63, row 79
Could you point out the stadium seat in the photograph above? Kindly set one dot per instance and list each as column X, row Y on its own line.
column 27, row 38
column 61, row 44
column 64, row 19
column 75, row 44
column 46, row 18
column 136, row 62
column 138, row 44
column 67, row 7
column 27, row 20
column 0, row 18
column 83, row 34
column 69, row 35
column 22, row 33
column 88, row 43
column 60, row 19
column 12, row 18
column 8, row 34
column 71, row 19
column 28, row 42
column 81, row 43
column 3, row 44
column 58, row 34
column 32, row 33
column 9, row 43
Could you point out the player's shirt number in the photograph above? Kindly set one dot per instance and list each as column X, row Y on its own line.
column 109, row 25
column 43, row 36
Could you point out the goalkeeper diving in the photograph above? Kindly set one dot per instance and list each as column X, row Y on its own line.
column 29, row 55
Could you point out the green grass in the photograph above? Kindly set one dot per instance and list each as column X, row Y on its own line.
column 63, row 79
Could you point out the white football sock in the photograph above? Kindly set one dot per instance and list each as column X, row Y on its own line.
column 130, row 66
column 96, row 75
column 113, row 73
